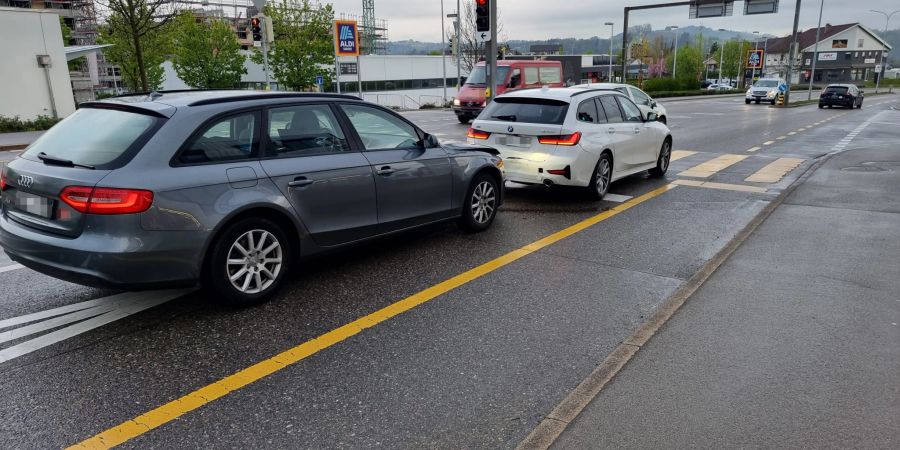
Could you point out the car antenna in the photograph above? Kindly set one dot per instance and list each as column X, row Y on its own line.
column 154, row 95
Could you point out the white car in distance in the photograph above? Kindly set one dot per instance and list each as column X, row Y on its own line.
column 573, row 137
column 643, row 100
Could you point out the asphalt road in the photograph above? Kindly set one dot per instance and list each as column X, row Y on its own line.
column 478, row 365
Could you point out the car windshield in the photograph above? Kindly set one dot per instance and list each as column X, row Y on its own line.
column 527, row 110
column 479, row 76
column 766, row 83
column 91, row 137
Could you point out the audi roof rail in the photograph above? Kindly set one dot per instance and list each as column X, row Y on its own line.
column 241, row 98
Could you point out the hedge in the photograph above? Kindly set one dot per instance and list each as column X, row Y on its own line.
column 15, row 124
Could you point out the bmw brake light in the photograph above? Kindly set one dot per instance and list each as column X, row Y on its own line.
column 2, row 180
column 106, row 201
column 478, row 134
column 568, row 140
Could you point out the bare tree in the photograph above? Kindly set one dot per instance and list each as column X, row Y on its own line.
column 470, row 48
column 137, row 19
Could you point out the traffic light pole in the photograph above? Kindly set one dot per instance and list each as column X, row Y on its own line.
column 265, row 52
column 791, row 56
column 491, row 49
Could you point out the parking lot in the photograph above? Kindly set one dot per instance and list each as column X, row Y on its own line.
column 434, row 338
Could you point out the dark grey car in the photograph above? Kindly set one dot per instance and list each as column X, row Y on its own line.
column 230, row 188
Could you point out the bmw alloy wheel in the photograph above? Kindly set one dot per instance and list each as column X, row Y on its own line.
column 254, row 261
column 484, row 202
column 603, row 177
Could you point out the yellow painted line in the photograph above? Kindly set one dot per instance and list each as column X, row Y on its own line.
column 168, row 412
column 768, row 142
column 721, row 186
column 780, row 138
column 712, row 166
column 678, row 154
column 775, row 171
column 754, row 149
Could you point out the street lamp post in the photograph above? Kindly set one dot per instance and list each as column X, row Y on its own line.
column 675, row 61
column 610, row 74
column 443, row 54
column 756, row 49
column 887, row 21
column 722, row 59
column 815, row 56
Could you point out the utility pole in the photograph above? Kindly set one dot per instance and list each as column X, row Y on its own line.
column 792, row 54
column 492, row 54
column 458, row 48
column 675, row 62
column 755, row 49
column 722, row 62
column 812, row 74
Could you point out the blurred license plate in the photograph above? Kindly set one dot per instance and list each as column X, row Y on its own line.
column 517, row 141
column 34, row 204
column 840, row 96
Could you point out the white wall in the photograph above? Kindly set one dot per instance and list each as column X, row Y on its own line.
column 24, row 92
column 401, row 67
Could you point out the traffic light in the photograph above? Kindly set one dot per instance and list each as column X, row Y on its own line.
column 256, row 29
column 482, row 15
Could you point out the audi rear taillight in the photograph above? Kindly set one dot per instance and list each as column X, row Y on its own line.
column 106, row 201
column 565, row 140
column 2, row 180
column 478, row 134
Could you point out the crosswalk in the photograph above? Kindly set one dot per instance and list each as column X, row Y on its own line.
column 747, row 173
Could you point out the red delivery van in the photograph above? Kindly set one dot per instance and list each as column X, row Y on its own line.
column 511, row 75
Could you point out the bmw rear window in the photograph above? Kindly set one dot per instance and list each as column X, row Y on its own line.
column 526, row 110
column 95, row 137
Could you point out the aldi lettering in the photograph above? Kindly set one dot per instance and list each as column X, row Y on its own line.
column 346, row 38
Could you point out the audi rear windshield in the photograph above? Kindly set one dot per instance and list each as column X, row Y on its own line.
column 98, row 138
column 836, row 90
column 526, row 110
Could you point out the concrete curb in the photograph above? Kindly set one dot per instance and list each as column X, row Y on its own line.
column 555, row 423
column 9, row 148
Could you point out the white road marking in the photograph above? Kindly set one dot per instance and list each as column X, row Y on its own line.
column 11, row 267
column 617, row 198
column 98, row 312
column 754, row 149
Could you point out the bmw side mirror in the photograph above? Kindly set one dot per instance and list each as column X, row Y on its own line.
column 652, row 117
column 430, row 141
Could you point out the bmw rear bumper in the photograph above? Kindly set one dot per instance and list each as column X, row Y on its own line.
column 146, row 260
column 578, row 167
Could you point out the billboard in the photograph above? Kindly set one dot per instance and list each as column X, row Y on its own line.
column 755, row 59
column 346, row 38
column 830, row 56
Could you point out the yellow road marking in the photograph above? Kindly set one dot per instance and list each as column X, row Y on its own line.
column 722, row 186
column 678, row 154
column 775, row 171
column 168, row 412
column 768, row 142
column 754, row 149
column 712, row 166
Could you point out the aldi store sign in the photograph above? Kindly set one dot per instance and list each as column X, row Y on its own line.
column 346, row 34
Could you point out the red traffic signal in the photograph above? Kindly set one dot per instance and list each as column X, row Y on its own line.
column 481, row 2
column 256, row 28
column 482, row 15
column 254, row 22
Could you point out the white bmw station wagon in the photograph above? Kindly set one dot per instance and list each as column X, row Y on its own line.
column 573, row 137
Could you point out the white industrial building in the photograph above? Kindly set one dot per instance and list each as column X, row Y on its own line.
column 34, row 76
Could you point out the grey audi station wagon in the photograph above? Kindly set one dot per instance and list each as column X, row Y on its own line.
column 230, row 188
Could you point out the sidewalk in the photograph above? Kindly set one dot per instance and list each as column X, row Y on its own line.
column 794, row 341
column 18, row 141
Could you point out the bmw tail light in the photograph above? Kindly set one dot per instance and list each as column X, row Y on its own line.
column 106, row 201
column 565, row 140
column 478, row 134
column 2, row 180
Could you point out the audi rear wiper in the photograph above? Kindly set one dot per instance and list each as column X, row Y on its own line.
column 54, row 161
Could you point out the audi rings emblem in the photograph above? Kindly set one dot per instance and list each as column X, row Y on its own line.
column 25, row 181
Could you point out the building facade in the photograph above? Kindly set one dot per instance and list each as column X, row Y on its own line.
column 847, row 53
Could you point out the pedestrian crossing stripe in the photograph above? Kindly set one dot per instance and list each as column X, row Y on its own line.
column 679, row 154
column 713, row 166
column 775, row 171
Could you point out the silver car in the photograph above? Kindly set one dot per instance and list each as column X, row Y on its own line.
column 230, row 188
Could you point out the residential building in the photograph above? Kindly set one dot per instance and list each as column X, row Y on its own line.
column 847, row 53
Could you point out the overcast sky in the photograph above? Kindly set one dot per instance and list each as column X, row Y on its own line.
column 547, row 19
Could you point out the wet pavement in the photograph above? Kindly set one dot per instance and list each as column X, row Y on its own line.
column 476, row 366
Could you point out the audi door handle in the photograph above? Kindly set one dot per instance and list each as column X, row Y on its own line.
column 612, row 131
column 637, row 130
column 301, row 182
column 386, row 170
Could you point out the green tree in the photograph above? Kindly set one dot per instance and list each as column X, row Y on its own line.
column 155, row 46
column 139, row 24
column 206, row 55
column 735, row 51
column 303, row 46
column 66, row 31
